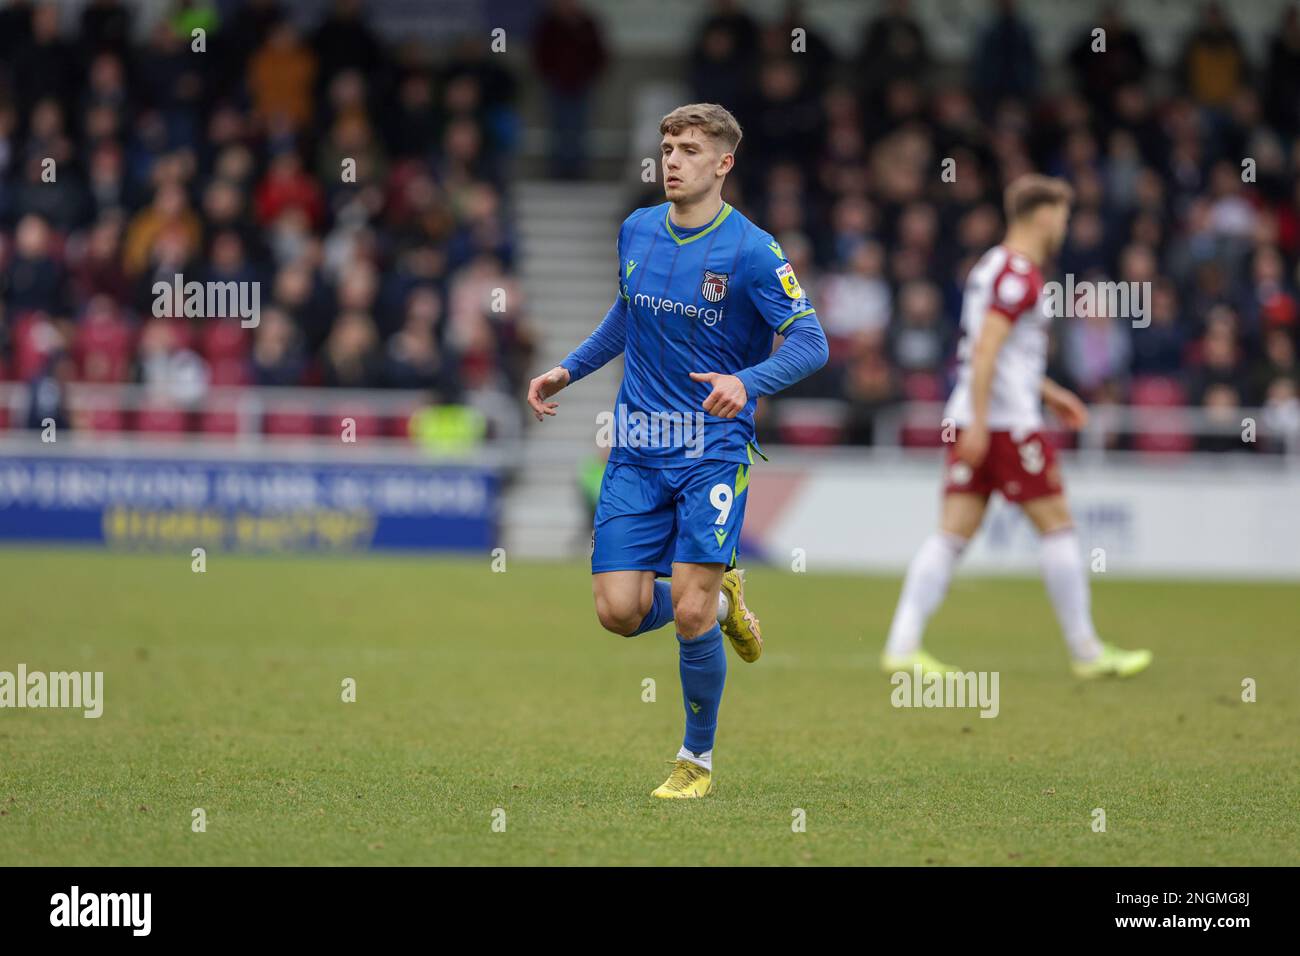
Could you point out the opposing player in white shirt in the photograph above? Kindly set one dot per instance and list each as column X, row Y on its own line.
column 1000, row 446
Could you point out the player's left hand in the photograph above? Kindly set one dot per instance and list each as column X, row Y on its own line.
column 1067, row 406
column 543, row 387
column 728, row 396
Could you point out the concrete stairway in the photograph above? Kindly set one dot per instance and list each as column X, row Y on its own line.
column 569, row 272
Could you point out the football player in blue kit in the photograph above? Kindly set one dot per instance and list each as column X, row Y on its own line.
column 701, row 293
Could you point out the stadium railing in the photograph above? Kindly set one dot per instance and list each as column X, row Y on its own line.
column 253, row 415
column 1167, row 430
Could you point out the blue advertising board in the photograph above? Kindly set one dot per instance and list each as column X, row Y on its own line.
column 247, row 506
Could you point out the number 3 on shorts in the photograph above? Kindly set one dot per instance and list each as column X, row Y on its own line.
column 1031, row 457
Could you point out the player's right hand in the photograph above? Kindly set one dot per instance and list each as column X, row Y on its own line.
column 973, row 445
column 543, row 387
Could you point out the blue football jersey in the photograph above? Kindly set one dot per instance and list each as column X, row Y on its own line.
column 697, row 300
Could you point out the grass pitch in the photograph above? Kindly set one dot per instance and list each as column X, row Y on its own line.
column 479, row 691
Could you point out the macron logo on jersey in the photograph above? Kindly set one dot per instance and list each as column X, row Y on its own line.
column 657, row 304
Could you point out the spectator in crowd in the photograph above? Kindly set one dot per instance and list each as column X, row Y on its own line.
column 870, row 386
column 415, row 359
column 1282, row 79
column 817, row 55
column 169, row 367
column 918, row 337
column 1158, row 349
column 35, row 279
column 893, row 47
column 1096, row 347
column 569, row 55
column 351, row 358
column 344, row 41
column 281, row 78
column 1124, row 62
column 97, row 263
column 856, row 303
column 1005, row 63
column 1281, row 418
column 47, row 401
column 169, row 215
column 1277, row 364
column 1213, row 62
column 278, row 357
column 1218, row 362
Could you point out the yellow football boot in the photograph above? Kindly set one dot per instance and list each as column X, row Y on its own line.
column 687, row 780
column 740, row 624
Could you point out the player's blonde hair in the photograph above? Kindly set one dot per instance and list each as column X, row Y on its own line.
column 710, row 119
column 1026, row 193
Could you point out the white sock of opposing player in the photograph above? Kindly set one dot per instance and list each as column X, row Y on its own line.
column 1067, row 585
column 724, row 607
column 923, row 590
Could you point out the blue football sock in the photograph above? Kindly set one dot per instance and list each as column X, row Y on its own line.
column 661, row 610
column 704, row 671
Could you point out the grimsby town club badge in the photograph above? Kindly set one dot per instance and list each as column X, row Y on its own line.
column 714, row 286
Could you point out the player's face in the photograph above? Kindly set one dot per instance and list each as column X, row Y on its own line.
column 693, row 165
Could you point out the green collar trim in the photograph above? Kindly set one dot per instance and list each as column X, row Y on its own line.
column 723, row 213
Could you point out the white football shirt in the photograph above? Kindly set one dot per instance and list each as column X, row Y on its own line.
column 1006, row 282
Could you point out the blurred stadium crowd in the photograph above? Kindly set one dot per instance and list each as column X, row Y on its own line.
column 841, row 161
column 232, row 171
column 226, row 165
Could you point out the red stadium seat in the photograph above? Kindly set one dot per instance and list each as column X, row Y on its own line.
column 228, row 371
column 106, row 419
column 813, row 422
column 289, row 422
column 225, row 339
column 923, row 387
column 810, row 434
column 219, row 423
column 182, row 332
column 398, row 425
column 161, row 419
column 1157, row 392
column 35, row 337
column 920, row 436
column 103, row 347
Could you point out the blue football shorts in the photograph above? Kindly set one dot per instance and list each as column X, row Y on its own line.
column 647, row 518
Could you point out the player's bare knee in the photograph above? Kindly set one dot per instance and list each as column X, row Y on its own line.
column 695, row 613
column 618, row 617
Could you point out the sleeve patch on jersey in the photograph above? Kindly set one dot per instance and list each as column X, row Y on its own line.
column 1011, row 290
column 788, row 281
